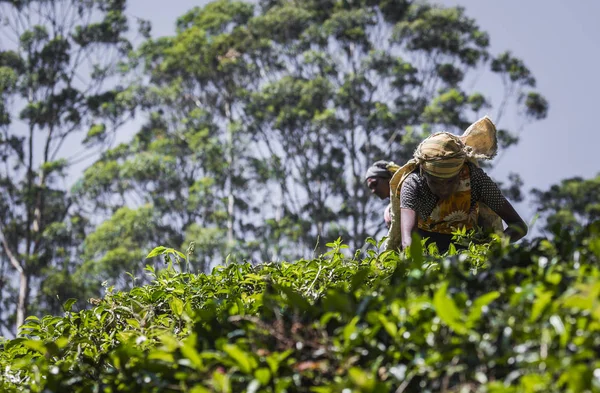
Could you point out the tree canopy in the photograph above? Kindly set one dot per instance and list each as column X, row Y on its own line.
column 572, row 203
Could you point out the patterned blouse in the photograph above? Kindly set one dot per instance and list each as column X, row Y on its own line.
column 417, row 196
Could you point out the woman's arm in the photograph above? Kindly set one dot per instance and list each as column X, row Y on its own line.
column 408, row 224
column 401, row 202
column 516, row 227
column 489, row 193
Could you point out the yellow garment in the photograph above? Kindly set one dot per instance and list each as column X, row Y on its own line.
column 481, row 142
column 392, row 167
column 454, row 212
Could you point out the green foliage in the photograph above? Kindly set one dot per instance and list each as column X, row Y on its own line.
column 569, row 204
column 525, row 320
column 110, row 250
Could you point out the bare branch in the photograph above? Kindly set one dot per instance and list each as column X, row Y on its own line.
column 9, row 253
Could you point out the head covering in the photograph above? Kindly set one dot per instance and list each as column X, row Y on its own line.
column 481, row 137
column 442, row 155
column 379, row 169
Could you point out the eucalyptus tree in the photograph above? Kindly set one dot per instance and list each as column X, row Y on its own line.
column 57, row 61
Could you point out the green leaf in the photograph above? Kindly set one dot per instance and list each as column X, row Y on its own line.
column 188, row 349
column 134, row 323
column 166, row 357
column 170, row 342
column 176, row 305
column 350, row 330
column 416, row 250
column 156, row 251
column 478, row 305
column 361, row 379
column 542, row 300
column 244, row 360
column 452, row 249
column 389, row 326
column 275, row 359
column 199, row 389
column 295, row 299
column 32, row 318
column 558, row 324
column 35, row 345
column 69, row 304
column 62, row 342
column 595, row 246
column 359, row 278
column 263, row 375
column 221, row 382
column 447, row 311
column 534, row 383
column 179, row 253
column 577, row 377
column 322, row 389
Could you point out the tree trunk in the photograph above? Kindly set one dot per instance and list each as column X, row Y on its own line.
column 23, row 280
column 23, row 297
column 230, row 196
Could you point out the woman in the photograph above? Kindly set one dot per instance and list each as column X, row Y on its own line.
column 442, row 189
column 378, row 178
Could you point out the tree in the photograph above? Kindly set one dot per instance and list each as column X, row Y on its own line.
column 186, row 166
column 52, row 46
column 573, row 203
column 263, row 118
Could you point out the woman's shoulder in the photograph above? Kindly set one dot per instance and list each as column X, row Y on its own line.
column 475, row 171
column 414, row 180
column 480, row 179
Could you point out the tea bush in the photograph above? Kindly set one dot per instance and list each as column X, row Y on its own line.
column 491, row 318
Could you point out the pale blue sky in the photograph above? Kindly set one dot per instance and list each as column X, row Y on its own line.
column 558, row 40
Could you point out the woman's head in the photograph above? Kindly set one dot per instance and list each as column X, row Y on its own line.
column 441, row 187
column 379, row 186
column 441, row 157
column 378, row 179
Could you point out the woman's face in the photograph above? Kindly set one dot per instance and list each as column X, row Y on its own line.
column 440, row 187
column 379, row 187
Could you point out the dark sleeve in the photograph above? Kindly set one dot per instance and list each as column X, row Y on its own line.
column 486, row 190
column 409, row 192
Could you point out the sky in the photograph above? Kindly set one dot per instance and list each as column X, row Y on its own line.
column 560, row 43
column 558, row 40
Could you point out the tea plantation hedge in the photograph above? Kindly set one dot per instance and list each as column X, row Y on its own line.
column 493, row 318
